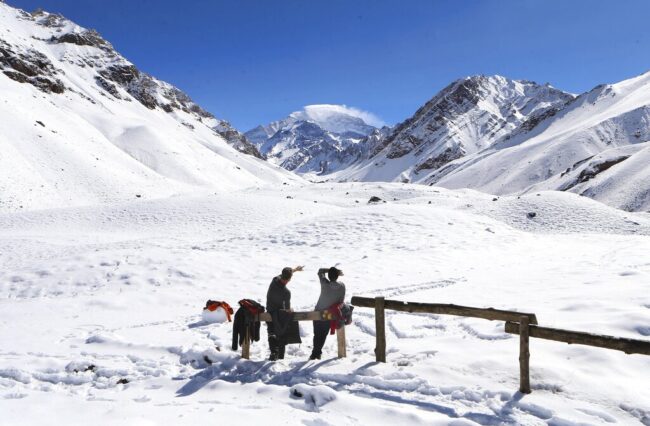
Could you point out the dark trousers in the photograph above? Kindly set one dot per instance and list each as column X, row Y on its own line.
column 321, row 330
column 277, row 349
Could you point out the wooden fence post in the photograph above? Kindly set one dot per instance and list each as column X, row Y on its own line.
column 340, row 338
column 524, row 356
column 246, row 345
column 380, row 330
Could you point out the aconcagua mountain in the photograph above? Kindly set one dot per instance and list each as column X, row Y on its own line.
column 318, row 139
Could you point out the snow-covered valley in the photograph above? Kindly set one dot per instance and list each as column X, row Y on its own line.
column 118, row 291
column 125, row 206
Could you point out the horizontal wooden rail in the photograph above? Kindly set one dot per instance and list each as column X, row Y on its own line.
column 446, row 309
column 298, row 316
column 629, row 346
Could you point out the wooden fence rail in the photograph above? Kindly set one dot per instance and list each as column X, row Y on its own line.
column 445, row 309
column 297, row 316
column 629, row 346
column 523, row 324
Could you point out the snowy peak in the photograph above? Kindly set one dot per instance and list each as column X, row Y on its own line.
column 315, row 139
column 469, row 115
column 337, row 118
column 594, row 146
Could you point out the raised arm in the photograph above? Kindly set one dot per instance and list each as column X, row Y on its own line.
column 322, row 272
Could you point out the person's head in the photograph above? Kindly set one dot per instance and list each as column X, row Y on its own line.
column 286, row 275
column 333, row 274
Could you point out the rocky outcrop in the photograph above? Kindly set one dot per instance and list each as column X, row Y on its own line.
column 435, row 162
column 84, row 38
column 30, row 67
column 237, row 139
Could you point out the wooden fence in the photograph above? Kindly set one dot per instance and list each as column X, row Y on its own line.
column 297, row 316
column 523, row 324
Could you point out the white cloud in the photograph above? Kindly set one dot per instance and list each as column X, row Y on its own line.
column 321, row 113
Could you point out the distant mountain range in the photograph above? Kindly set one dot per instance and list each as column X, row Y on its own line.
column 493, row 134
column 80, row 124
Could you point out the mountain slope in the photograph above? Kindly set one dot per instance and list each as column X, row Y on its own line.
column 316, row 139
column 82, row 125
column 467, row 116
column 603, row 125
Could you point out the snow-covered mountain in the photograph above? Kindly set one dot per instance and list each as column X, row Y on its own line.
column 318, row 139
column 595, row 146
column 80, row 124
column 467, row 116
column 508, row 137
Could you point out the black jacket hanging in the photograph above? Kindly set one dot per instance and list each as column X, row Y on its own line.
column 245, row 319
column 286, row 329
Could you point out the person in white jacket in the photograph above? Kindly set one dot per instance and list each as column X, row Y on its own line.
column 332, row 292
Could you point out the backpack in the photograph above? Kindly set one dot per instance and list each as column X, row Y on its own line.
column 339, row 314
column 213, row 305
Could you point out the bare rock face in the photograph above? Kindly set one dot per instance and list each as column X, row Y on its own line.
column 597, row 168
column 108, row 86
column 49, row 20
column 139, row 85
column 437, row 161
column 237, row 139
column 84, row 38
column 30, row 67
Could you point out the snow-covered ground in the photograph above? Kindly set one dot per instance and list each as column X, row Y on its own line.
column 117, row 290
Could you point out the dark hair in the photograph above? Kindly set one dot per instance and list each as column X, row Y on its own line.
column 287, row 273
column 333, row 274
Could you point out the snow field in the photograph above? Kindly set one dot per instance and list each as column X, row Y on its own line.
column 92, row 297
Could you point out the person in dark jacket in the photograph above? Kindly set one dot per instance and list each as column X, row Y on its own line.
column 332, row 292
column 278, row 298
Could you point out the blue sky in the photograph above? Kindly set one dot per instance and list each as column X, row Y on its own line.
column 255, row 61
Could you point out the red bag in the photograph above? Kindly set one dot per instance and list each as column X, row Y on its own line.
column 213, row 305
